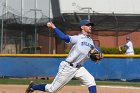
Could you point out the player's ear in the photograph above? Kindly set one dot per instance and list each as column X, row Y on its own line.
column 82, row 27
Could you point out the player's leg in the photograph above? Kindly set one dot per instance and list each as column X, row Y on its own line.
column 64, row 75
column 92, row 89
column 87, row 79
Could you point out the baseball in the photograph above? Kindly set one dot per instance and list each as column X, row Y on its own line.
column 49, row 24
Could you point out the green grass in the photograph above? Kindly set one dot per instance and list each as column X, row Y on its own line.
column 117, row 83
column 37, row 81
column 72, row 82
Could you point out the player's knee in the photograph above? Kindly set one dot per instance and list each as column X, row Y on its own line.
column 50, row 89
column 91, row 82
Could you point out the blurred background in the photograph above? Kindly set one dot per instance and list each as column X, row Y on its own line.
column 23, row 24
column 23, row 32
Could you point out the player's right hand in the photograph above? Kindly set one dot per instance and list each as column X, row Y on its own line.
column 50, row 25
column 120, row 49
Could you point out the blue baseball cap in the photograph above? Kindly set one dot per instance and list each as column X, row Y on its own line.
column 86, row 22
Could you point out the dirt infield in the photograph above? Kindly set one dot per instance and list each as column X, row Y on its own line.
column 72, row 89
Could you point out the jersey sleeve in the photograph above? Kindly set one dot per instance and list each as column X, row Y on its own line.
column 62, row 35
column 73, row 39
column 127, row 45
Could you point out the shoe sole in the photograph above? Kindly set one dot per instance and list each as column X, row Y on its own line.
column 28, row 90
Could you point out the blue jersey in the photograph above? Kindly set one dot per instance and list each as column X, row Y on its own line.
column 79, row 52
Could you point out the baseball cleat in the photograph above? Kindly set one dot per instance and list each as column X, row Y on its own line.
column 29, row 89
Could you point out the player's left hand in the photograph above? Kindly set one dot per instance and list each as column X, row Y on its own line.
column 96, row 55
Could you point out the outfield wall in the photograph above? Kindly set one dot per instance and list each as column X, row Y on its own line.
column 45, row 65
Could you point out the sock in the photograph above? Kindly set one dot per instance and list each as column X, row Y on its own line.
column 40, row 87
column 92, row 89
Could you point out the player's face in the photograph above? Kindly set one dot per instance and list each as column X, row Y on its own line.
column 127, row 40
column 87, row 28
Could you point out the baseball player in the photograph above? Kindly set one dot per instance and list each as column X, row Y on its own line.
column 72, row 65
column 128, row 46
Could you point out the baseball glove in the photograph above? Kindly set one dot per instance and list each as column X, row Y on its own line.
column 96, row 55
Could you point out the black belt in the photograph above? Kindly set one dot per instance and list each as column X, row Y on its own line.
column 77, row 66
column 71, row 64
